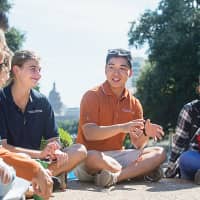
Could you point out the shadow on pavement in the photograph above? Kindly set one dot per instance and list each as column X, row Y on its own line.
column 163, row 185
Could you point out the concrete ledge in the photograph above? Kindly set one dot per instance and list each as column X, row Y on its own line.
column 169, row 189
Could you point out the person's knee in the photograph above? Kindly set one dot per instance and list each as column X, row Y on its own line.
column 81, row 149
column 94, row 160
column 94, row 155
column 160, row 154
column 184, row 160
column 186, row 165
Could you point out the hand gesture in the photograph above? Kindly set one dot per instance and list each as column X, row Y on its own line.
column 153, row 130
column 61, row 158
column 49, row 151
column 134, row 126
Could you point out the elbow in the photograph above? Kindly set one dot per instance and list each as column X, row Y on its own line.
column 88, row 132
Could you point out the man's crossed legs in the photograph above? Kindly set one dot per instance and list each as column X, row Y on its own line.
column 110, row 167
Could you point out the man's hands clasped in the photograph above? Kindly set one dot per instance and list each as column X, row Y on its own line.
column 53, row 153
column 139, row 127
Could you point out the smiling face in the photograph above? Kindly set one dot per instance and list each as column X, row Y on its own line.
column 28, row 74
column 117, row 73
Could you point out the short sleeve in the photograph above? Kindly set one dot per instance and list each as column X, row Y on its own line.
column 89, row 108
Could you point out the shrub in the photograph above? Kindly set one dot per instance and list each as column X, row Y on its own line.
column 65, row 139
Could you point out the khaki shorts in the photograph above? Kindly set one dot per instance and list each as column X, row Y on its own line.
column 124, row 157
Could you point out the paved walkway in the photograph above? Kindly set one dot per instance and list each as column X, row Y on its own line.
column 165, row 189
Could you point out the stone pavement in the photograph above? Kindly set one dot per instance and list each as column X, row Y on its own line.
column 170, row 189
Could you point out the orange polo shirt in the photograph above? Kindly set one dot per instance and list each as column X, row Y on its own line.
column 102, row 107
column 25, row 168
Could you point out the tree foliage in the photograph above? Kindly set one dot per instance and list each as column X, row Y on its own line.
column 170, row 78
column 5, row 6
column 65, row 139
column 70, row 126
column 14, row 37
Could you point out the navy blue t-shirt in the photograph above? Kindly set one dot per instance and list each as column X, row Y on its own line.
column 26, row 129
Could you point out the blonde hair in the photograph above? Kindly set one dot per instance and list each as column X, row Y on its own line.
column 2, row 38
column 5, row 52
column 20, row 57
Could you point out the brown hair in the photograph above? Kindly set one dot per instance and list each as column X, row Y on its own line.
column 20, row 57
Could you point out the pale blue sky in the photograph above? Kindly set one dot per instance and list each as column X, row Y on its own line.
column 72, row 38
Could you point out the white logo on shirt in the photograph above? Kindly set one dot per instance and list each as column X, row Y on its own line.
column 128, row 111
column 34, row 111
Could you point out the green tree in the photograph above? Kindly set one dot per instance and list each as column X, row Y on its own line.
column 5, row 6
column 169, row 80
column 65, row 139
column 70, row 126
column 14, row 37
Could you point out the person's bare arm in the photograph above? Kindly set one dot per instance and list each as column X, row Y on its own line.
column 42, row 183
column 46, row 152
column 32, row 153
column 92, row 131
column 154, row 131
column 138, row 139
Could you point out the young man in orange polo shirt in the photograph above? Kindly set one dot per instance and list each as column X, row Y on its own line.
column 107, row 113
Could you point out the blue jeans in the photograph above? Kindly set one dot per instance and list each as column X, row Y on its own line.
column 5, row 188
column 189, row 164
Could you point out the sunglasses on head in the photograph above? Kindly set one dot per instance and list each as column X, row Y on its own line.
column 120, row 52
